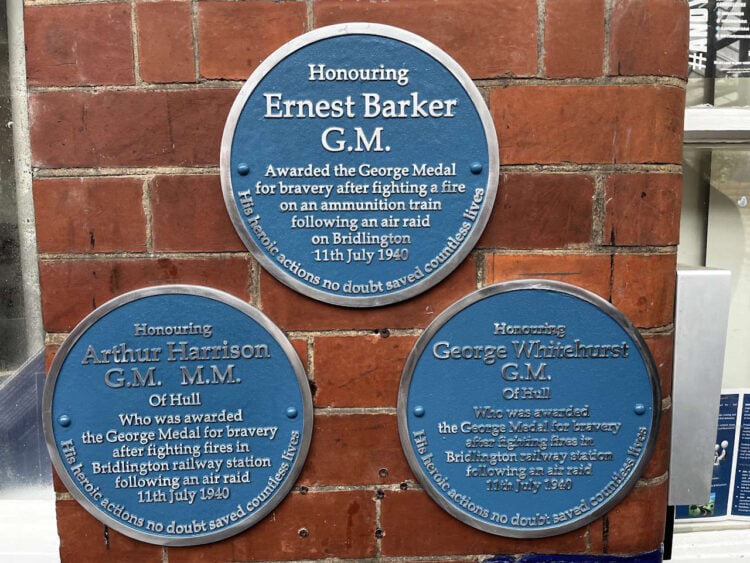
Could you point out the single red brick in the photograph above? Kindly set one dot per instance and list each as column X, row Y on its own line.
column 189, row 215
column 300, row 346
column 98, row 129
column 82, row 539
column 589, row 271
column 355, row 449
column 649, row 37
column 643, row 288
column 588, row 124
column 71, row 289
column 414, row 525
column 574, row 38
column 662, row 351
column 359, row 371
column 293, row 311
column 89, row 215
column 540, row 211
column 636, row 525
column 78, row 45
column 658, row 465
column 338, row 524
column 488, row 38
column 643, row 209
column 235, row 37
column 165, row 41
column 128, row 128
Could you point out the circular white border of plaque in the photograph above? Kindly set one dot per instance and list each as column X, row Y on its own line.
column 200, row 291
column 360, row 28
column 534, row 284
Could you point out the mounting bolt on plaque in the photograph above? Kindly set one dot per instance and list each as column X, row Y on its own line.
column 291, row 412
column 419, row 411
column 476, row 167
column 639, row 408
column 64, row 420
column 243, row 169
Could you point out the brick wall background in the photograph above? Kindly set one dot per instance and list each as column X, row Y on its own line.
column 127, row 104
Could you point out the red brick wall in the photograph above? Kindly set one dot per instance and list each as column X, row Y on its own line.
column 127, row 104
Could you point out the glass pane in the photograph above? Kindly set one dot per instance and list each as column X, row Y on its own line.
column 716, row 217
column 693, row 217
column 25, row 470
column 719, row 57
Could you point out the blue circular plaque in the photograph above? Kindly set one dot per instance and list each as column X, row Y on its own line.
column 177, row 415
column 359, row 164
column 528, row 409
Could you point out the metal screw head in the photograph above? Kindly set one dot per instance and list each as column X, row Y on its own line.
column 64, row 420
column 639, row 408
column 476, row 167
column 243, row 169
column 303, row 532
column 419, row 411
column 291, row 412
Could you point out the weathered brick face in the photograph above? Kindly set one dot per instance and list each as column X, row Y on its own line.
column 127, row 105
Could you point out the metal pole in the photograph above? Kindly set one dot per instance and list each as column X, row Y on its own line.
column 22, row 156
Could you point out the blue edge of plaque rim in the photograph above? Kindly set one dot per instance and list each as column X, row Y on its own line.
column 418, row 42
column 505, row 287
column 178, row 289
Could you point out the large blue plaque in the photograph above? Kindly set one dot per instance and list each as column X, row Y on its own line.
column 177, row 415
column 529, row 408
column 359, row 164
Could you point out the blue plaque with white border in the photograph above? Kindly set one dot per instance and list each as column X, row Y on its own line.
column 359, row 164
column 177, row 415
column 529, row 408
